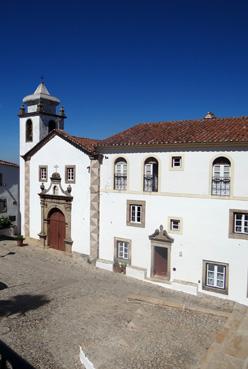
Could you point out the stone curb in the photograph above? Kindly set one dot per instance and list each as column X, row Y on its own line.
column 172, row 304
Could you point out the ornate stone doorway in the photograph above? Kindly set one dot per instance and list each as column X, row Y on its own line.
column 56, row 229
column 56, row 206
column 160, row 254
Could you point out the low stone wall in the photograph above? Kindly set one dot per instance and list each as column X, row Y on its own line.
column 8, row 232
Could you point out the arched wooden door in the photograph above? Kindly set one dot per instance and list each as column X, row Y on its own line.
column 56, row 230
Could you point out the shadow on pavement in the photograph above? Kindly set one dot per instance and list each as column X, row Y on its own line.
column 8, row 253
column 10, row 359
column 21, row 304
column 3, row 286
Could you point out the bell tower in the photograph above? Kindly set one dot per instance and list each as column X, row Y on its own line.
column 38, row 117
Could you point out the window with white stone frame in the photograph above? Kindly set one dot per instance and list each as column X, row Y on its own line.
column 238, row 223
column 3, row 205
column 70, row 174
column 135, row 213
column 215, row 276
column 43, row 173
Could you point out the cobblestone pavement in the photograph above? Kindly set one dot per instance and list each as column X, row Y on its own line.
column 54, row 304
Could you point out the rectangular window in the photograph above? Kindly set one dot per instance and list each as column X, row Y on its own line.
column 241, row 223
column 122, row 250
column 238, row 224
column 70, row 174
column 176, row 162
column 215, row 276
column 174, row 224
column 43, row 173
column 1, row 179
column 3, row 205
column 136, row 213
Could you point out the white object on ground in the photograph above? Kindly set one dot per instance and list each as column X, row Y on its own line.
column 84, row 360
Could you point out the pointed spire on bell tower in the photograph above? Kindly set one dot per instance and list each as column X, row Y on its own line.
column 38, row 117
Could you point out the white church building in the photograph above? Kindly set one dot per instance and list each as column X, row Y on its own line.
column 164, row 202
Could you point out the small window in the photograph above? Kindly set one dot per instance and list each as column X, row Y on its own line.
column 241, row 223
column 174, row 224
column 1, row 179
column 29, row 130
column 136, row 213
column 70, row 175
column 120, row 176
column 176, row 162
column 122, row 251
column 12, row 218
column 43, row 173
column 215, row 276
column 3, row 205
column 238, row 223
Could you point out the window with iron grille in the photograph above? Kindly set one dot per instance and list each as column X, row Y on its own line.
column 221, row 179
column 120, row 175
column 151, row 175
column 70, row 174
column 43, row 173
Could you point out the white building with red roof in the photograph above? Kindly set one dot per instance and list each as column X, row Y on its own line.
column 9, row 196
column 164, row 202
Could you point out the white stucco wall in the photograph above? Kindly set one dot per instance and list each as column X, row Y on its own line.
column 195, row 178
column 9, row 191
column 58, row 152
column 184, row 194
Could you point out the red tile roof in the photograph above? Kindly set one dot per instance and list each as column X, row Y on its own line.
column 202, row 131
column 9, row 164
column 87, row 143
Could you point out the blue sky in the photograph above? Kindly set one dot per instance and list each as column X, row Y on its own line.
column 116, row 63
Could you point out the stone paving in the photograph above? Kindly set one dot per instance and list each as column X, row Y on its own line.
column 54, row 304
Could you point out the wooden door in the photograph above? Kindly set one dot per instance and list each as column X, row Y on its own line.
column 160, row 261
column 56, row 232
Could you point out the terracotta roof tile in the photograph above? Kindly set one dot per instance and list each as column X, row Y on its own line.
column 202, row 131
column 88, row 143
column 8, row 163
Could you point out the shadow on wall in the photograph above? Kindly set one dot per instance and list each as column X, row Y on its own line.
column 20, row 304
column 10, row 359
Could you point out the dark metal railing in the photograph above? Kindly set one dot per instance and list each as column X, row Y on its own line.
column 221, row 186
column 150, row 184
column 120, row 182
